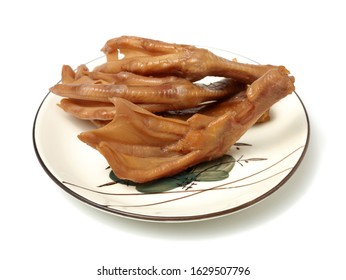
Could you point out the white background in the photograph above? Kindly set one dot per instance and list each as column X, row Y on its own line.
column 297, row 233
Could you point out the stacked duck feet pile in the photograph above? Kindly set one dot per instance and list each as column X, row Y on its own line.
column 154, row 118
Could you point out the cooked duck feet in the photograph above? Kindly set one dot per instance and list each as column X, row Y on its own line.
column 178, row 94
column 156, row 58
column 141, row 146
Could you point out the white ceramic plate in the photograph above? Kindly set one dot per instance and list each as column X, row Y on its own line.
column 261, row 162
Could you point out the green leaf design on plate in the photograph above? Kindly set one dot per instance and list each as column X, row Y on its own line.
column 214, row 170
column 215, row 175
column 160, row 185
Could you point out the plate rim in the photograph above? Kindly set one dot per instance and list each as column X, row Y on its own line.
column 153, row 218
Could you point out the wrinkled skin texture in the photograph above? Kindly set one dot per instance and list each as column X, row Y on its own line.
column 155, row 75
column 169, row 95
column 155, row 58
column 141, row 146
column 153, row 119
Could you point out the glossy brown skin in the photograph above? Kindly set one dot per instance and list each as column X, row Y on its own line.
column 152, row 74
column 156, row 58
column 121, row 95
column 140, row 146
column 176, row 94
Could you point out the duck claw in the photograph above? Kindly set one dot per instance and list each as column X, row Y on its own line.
column 153, row 146
column 122, row 95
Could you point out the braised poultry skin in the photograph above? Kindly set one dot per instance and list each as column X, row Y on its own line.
column 127, row 98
